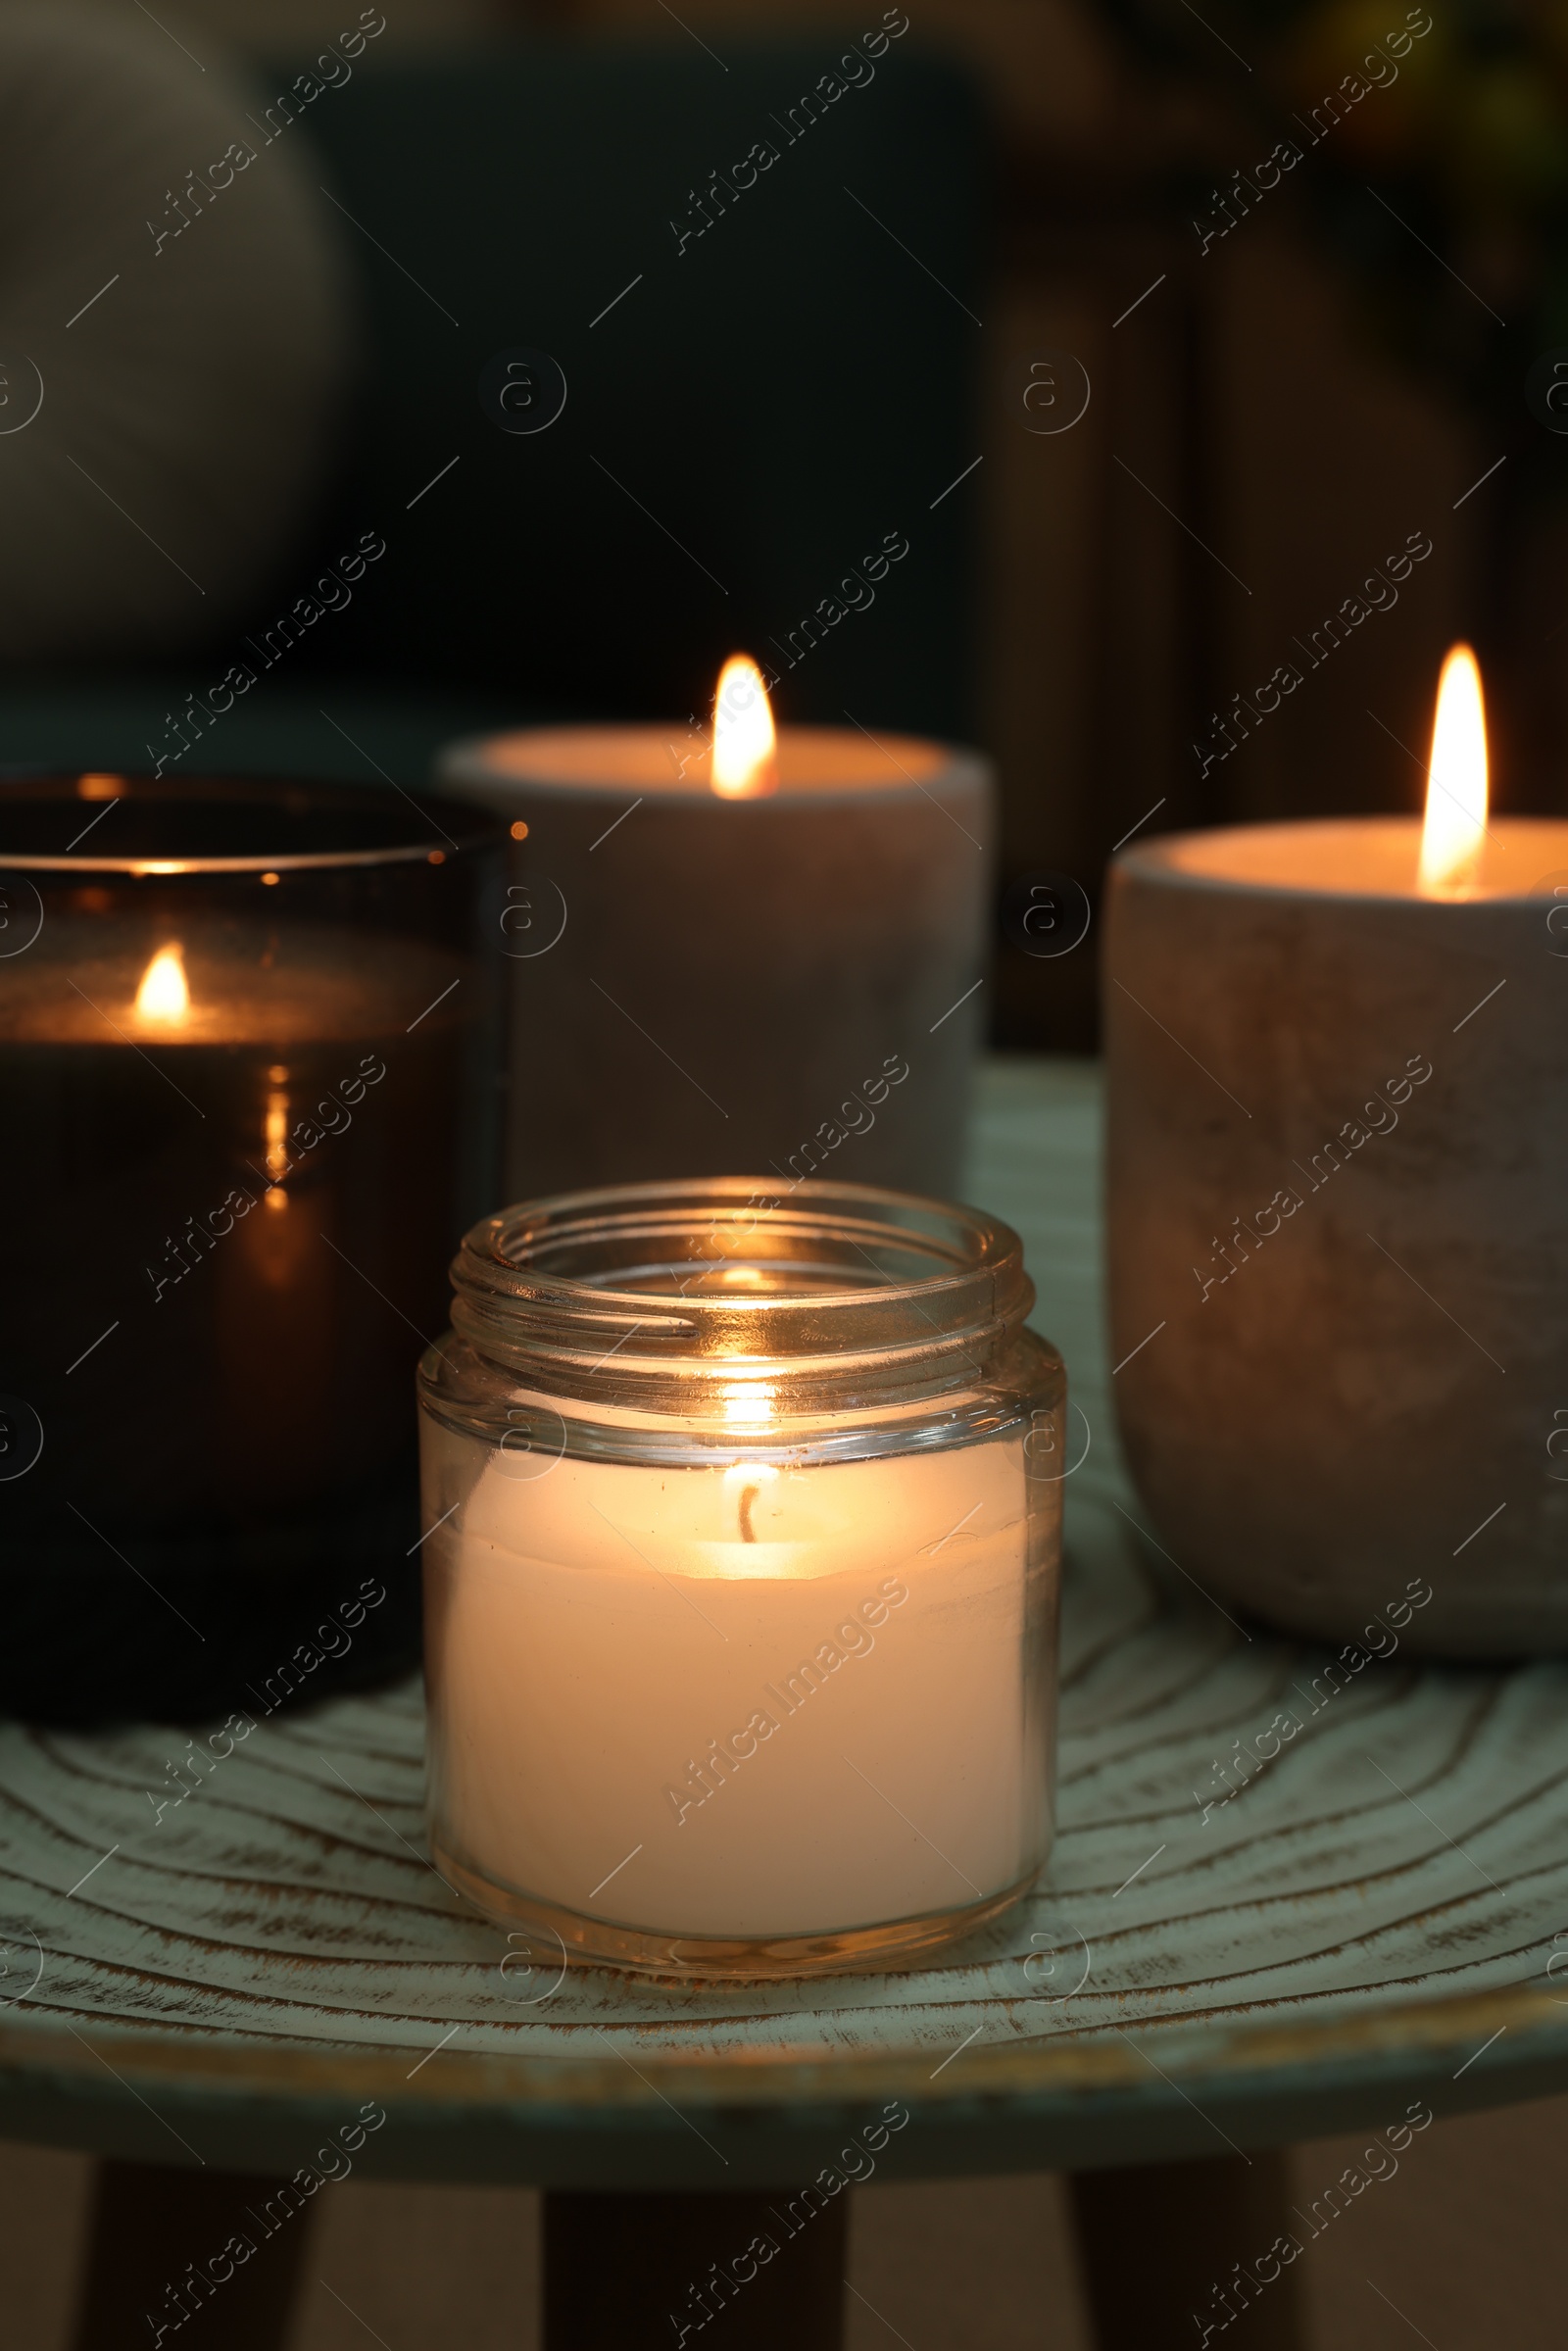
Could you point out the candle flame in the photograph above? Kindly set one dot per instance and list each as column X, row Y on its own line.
column 163, row 994
column 744, row 742
column 1455, row 824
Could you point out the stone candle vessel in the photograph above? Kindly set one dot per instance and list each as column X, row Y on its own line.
column 786, row 983
column 1337, row 1196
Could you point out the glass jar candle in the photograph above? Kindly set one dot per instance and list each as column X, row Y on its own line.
column 249, row 1055
column 741, row 1576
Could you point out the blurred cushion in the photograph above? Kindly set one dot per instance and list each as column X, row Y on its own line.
column 173, row 338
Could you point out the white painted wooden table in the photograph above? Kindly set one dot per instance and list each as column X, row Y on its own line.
column 1369, row 1921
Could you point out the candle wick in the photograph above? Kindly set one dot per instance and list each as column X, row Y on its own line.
column 748, row 1495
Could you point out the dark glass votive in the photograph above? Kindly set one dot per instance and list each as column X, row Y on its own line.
column 248, row 1062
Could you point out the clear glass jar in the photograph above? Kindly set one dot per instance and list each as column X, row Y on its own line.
column 741, row 1577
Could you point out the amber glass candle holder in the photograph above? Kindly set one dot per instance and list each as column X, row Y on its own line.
column 248, row 1049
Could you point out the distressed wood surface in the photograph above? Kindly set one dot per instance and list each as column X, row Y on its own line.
column 1376, row 1901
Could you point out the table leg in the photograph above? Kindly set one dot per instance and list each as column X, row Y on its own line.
column 166, row 2260
column 759, row 2273
column 1170, row 2249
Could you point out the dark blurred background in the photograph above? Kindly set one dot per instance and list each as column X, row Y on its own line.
column 1294, row 370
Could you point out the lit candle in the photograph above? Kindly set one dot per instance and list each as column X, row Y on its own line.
column 773, row 1694
column 725, row 942
column 246, row 1115
column 1338, row 1123
column 222, row 1128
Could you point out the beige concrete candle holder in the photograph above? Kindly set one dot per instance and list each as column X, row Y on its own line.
column 790, row 982
column 1337, row 1179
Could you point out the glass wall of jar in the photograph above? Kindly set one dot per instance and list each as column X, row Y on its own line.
column 741, row 1577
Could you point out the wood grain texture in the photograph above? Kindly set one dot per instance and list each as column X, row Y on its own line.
column 1347, row 1931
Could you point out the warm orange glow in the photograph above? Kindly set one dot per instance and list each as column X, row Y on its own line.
column 276, row 1130
column 744, row 742
column 748, row 1404
column 1455, row 826
column 163, row 994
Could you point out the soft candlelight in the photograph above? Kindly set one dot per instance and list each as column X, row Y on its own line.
column 247, row 1050
column 743, row 756
column 739, row 948
column 741, row 1576
column 1338, row 1124
column 1453, row 830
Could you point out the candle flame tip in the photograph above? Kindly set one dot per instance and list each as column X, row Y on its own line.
column 744, row 745
column 1454, row 830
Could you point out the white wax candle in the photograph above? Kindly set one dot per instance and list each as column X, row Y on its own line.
column 736, row 1702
